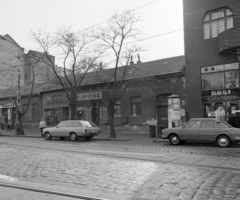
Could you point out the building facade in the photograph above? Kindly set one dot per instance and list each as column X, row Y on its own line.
column 212, row 44
column 138, row 104
column 15, row 64
column 33, row 108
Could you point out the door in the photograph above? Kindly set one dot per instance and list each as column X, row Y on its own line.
column 191, row 130
column 60, row 131
column 208, row 130
column 163, row 116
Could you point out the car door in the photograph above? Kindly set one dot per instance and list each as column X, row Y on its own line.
column 78, row 128
column 60, row 129
column 208, row 130
column 191, row 130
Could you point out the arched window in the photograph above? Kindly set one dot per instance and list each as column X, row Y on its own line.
column 216, row 22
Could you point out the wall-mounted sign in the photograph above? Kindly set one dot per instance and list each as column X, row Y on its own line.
column 89, row 96
column 221, row 95
column 56, row 99
column 8, row 105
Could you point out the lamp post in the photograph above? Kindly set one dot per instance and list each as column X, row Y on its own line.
column 18, row 86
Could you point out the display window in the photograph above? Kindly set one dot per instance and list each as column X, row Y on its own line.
column 221, row 110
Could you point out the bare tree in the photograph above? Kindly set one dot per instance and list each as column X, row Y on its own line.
column 20, row 112
column 113, row 38
column 77, row 60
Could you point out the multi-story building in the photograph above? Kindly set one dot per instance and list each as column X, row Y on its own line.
column 11, row 63
column 14, row 63
column 212, row 52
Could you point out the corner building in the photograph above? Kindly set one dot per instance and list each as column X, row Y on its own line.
column 212, row 53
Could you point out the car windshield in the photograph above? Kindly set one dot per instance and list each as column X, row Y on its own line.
column 89, row 124
column 225, row 123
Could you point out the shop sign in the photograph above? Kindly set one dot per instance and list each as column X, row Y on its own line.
column 89, row 96
column 8, row 105
column 57, row 99
column 221, row 95
column 221, row 92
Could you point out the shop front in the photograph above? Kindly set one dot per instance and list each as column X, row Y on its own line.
column 220, row 90
column 8, row 115
column 55, row 108
column 221, row 103
column 89, row 107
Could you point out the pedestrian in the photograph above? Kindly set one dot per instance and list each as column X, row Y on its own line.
column 42, row 125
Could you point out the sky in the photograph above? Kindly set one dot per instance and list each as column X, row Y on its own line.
column 161, row 21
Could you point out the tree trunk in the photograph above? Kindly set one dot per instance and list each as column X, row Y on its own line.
column 19, row 127
column 73, row 109
column 111, row 120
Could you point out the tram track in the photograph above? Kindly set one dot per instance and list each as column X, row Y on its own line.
column 52, row 192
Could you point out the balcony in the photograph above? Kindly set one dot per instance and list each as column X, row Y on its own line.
column 229, row 42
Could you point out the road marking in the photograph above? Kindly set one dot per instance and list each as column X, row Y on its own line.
column 7, row 178
column 120, row 152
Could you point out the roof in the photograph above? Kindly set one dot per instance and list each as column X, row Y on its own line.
column 24, row 90
column 141, row 70
column 152, row 68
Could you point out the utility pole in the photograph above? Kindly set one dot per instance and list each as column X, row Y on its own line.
column 18, row 106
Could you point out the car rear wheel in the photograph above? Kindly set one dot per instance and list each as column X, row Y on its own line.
column 73, row 136
column 62, row 138
column 223, row 141
column 48, row 136
column 88, row 138
column 174, row 139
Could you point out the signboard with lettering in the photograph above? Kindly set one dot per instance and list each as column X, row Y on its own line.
column 89, row 96
column 8, row 105
column 56, row 99
column 220, row 95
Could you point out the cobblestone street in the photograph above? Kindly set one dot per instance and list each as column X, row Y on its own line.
column 135, row 179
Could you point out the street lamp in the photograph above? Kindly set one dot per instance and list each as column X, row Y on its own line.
column 18, row 85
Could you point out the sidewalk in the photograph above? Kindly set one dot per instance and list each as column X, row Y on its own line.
column 121, row 136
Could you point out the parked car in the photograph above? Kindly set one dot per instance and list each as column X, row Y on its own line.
column 74, row 129
column 203, row 130
column 234, row 121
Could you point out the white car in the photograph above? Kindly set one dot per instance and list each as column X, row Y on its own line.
column 74, row 129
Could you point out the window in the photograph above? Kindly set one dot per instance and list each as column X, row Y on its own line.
column 34, row 111
column 216, row 22
column 73, row 124
column 220, row 77
column 207, row 124
column 62, row 124
column 117, row 109
column 194, row 124
column 136, row 106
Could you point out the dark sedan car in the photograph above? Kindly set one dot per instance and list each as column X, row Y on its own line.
column 203, row 130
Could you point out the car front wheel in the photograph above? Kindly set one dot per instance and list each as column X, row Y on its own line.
column 223, row 141
column 174, row 139
column 48, row 136
column 73, row 136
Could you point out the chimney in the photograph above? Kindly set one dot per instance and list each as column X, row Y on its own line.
column 100, row 66
column 131, row 62
column 139, row 61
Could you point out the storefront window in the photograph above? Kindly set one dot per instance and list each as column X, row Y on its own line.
column 220, row 77
column 232, row 79
column 214, row 81
column 52, row 116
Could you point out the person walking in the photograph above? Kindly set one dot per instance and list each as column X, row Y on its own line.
column 42, row 125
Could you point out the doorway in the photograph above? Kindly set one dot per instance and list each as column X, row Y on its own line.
column 162, row 109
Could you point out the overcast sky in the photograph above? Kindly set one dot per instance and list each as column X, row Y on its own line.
column 159, row 19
